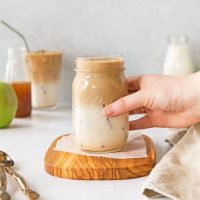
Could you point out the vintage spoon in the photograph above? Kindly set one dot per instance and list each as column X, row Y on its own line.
column 6, row 162
column 3, row 186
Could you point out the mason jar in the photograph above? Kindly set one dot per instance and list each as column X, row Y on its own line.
column 99, row 81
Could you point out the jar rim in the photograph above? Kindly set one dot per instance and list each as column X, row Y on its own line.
column 99, row 63
column 100, row 58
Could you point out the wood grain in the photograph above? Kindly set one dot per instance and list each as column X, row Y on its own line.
column 74, row 166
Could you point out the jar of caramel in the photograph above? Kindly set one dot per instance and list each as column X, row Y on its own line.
column 99, row 81
column 16, row 75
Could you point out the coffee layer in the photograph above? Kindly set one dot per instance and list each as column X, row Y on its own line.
column 98, row 90
column 44, row 66
column 97, row 64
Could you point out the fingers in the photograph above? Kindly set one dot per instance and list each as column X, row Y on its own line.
column 134, row 82
column 124, row 105
column 141, row 110
column 132, row 91
column 141, row 123
column 162, row 119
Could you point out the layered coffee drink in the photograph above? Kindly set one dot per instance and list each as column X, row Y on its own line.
column 99, row 81
column 44, row 71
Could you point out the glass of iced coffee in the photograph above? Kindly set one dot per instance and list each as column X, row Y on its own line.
column 44, row 71
column 99, row 81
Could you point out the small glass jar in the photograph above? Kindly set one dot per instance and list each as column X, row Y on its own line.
column 99, row 81
column 17, row 75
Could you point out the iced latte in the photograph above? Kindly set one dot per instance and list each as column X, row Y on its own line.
column 99, row 81
column 44, row 70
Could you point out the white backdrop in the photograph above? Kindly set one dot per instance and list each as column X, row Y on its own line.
column 136, row 29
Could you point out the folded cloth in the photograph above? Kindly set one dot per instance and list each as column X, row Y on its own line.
column 177, row 175
column 176, row 135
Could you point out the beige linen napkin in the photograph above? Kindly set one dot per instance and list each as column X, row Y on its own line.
column 177, row 175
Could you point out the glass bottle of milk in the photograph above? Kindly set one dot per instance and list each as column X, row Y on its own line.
column 178, row 60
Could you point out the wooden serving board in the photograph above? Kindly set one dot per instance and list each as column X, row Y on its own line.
column 74, row 166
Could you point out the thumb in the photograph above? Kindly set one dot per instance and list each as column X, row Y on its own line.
column 124, row 104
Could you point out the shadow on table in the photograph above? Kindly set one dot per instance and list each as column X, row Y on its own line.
column 16, row 126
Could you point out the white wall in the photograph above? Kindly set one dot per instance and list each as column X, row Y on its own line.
column 136, row 29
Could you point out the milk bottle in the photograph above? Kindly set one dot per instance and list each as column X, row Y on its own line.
column 178, row 60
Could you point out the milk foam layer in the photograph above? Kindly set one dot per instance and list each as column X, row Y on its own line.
column 94, row 132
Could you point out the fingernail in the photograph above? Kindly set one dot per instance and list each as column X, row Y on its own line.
column 108, row 111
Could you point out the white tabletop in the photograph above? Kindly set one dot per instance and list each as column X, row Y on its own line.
column 27, row 140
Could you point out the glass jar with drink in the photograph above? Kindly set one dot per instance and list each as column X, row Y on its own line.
column 99, row 81
column 17, row 75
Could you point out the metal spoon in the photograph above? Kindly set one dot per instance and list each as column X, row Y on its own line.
column 6, row 162
column 3, row 186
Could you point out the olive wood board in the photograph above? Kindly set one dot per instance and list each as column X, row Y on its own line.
column 82, row 167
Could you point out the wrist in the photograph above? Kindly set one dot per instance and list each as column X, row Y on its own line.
column 194, row 80
column 194, row 83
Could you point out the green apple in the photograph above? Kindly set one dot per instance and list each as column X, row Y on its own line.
column 8, row 104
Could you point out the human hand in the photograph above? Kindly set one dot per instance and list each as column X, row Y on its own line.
column 167, row 101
